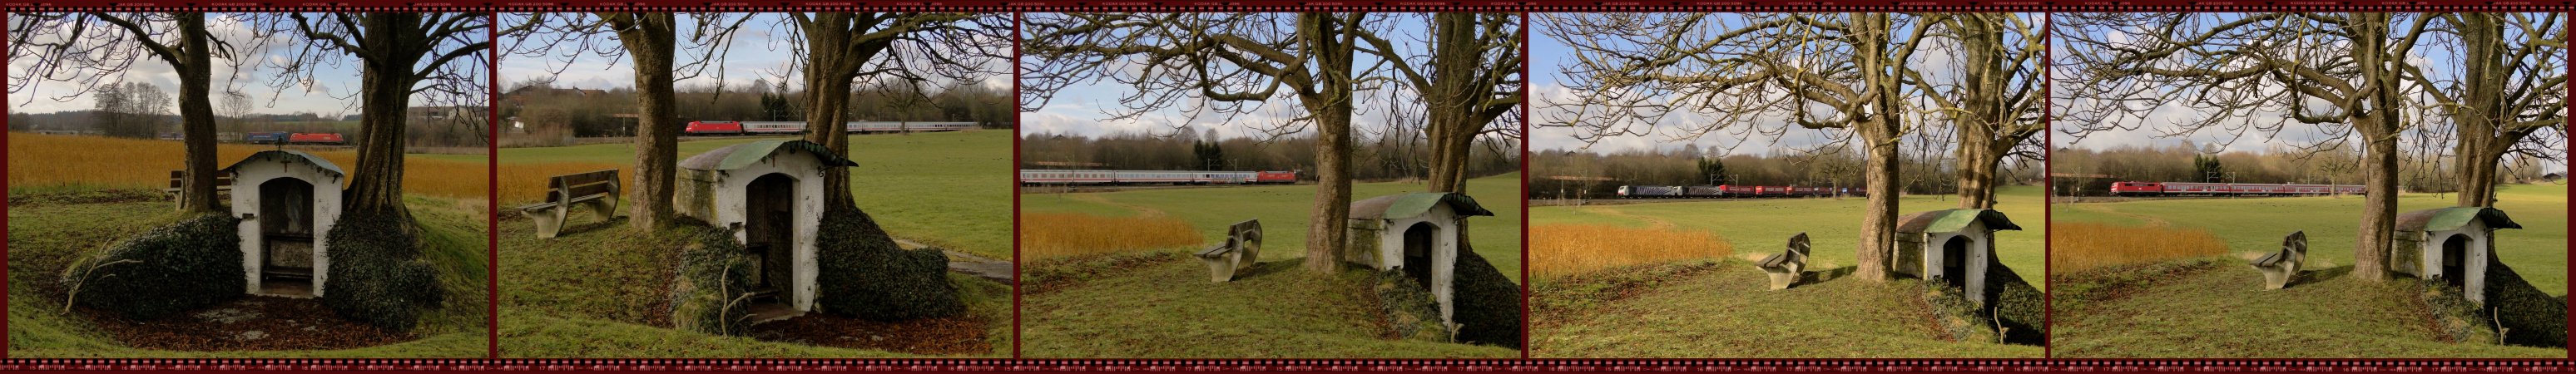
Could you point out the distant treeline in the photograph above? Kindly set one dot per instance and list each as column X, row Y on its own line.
column 425, row 132
column 552, row 114
column 1591, row 174
column 1398, row 155
column 2184, row 163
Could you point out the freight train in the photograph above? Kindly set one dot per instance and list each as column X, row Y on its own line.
column 2229, row 189
column 1730, row 191
column 711, row 128
column 1136, row 177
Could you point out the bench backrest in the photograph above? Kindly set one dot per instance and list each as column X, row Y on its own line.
column 179, row 178
column 561, row 188
column 2296, row 245
column 1243, row 232
column 1798, row 247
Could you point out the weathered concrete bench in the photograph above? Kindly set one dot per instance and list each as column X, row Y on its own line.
column 597, row 189
column 1241, row 250
column 1787, row 266
column 179, row 181
column 2279, row 267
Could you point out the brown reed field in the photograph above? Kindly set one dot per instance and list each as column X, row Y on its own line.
column 2079, row 246
column 526, row 182
column 1566, row 249
column 39, row 161
column 1050, row 235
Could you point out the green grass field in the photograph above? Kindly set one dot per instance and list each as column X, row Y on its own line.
column 1832, row 226
column 949, row 189
column 1283, row 212
column 1167, row 308
column 2538, row 251
column 601, row 291
column 1722, row 308
column 45, row 238
column 2215, row 307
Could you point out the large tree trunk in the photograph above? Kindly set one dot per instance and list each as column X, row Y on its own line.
column 375, row 187
column 196, row 115
column 1332, row 106
column 1878, row 223
column 2480, row 122
column 1882, row 129
column 1452, row 99
column 657, row 133
column 2378, row 127
column 1981, row 139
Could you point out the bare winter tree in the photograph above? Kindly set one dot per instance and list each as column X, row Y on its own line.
column 653, row 41
column 2507, row 93
column 1224, row 65
column 440, row 58
column 1994, row 101
column 911, row 50
column 1468, row 81
column 2336, row 74
column 1741, row 75
column 92, row 50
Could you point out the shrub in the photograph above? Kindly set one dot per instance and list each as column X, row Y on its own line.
column 714, row 273
column 1408, row 311
column 194, row 263
column 862, row 273
column 2533, row 317
column 377, row 275
column 1488, row 305
column 2014, row 307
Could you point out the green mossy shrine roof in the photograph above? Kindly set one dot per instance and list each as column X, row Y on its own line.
column 1953, row 220
column 288, row 156
column 2452, row 218
column 1414, row 205
column 741, row 155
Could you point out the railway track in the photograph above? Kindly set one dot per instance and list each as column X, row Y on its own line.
column 1085, row 189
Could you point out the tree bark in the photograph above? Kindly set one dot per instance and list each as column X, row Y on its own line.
column 375, row 186
column 196, row 114
column 2481, row 118
column 1451, row 99
column 1881, row 127
column 1332, row 103
column 2378, row 125
column 1878, row 222
column 649, row 40
column 1982, row 141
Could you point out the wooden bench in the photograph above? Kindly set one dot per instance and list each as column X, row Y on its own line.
column 2280, row 267
column 179, row 182
column 1788, row 265
column 597, row 189
column 1241, row 250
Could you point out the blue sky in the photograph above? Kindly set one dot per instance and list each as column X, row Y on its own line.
column 331, row 83
column 1079, row 109
column 761, row 50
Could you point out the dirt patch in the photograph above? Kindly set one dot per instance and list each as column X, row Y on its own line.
column 248, row 324
column 959, row 335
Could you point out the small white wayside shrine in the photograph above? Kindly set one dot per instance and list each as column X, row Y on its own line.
column 287, row 201
column 1416, row 232
column 771, row 194
column 2450, row 244
column 1954, row 246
